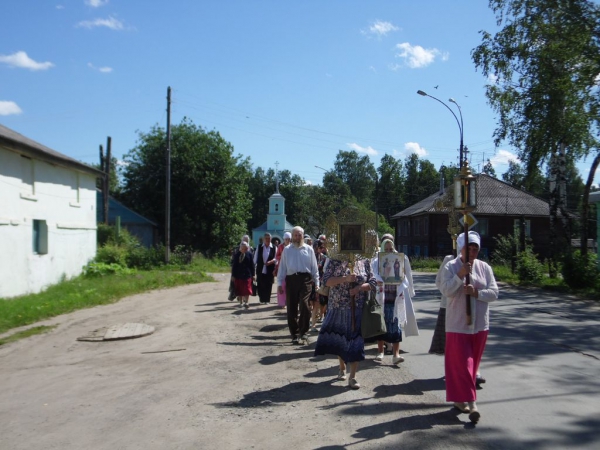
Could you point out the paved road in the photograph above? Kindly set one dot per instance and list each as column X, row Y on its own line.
column 542, row 365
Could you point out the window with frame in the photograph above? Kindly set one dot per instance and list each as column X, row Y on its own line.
column 417, row 250
column 40, row 237
column 417, row 226
column 482, row 227
column 517, row 225
column 426, row 227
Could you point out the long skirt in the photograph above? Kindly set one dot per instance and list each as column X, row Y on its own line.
column 461, row 363
column 336, row 336
column 438, row 342
column 243, row 288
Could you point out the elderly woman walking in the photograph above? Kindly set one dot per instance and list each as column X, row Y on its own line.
column 340, row 332
column 466, row 335
column 397, row 306
column 242, row 270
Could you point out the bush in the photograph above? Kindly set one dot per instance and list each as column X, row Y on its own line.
column 579, row 272
column 104, row 234
column 182, row 255
column 529, row 268
column 98, row 269
column 503, row 252
column 112, row 254
column 145, row 258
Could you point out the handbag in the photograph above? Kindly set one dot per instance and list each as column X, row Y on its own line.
column 323, row 290
column 373, row 318
column 254, row 287
column 231, row 296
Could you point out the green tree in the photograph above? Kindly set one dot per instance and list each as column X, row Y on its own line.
column 488, row 169
column 358, row 172
column 390, row 192
column 422, row 179
column 114, row 184
column 544, row 63
column 448, row 173
column 209, row 198
column 516, row 175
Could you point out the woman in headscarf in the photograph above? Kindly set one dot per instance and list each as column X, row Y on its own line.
column 340, row 332
column 466, row 336
column 397, row 306
column 287, row 238
column 242, row 270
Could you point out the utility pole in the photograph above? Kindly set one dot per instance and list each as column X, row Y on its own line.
column 107, row 178
column 168, row 182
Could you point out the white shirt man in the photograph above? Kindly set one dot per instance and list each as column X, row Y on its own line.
column 298, row 267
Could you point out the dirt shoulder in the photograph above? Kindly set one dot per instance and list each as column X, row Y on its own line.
column 222, row 377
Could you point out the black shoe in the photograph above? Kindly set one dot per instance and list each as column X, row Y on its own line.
column 295, row 340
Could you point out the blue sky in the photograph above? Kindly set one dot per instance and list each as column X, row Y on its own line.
column 286, row 81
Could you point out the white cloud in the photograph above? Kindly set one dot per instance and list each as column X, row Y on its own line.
column 8, row 108
column 60, row 7
column 100, row 69
column 416, row 56
column 111, row 22
column 414, row 147
column 368, row 150
column 96, row 3
column 492, row 78
column 380, row 28
column 22, row 61
column 503, row 157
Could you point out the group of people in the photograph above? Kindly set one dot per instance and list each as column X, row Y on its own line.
column 308, row 280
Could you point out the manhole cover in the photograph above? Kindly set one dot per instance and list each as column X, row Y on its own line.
column 120, row 331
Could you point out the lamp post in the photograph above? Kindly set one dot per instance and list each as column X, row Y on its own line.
column 459, row 123
column 465, row 190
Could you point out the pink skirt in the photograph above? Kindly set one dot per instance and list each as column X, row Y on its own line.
column 243, row 288
column 281, row 297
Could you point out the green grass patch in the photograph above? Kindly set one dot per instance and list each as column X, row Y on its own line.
column 26, row 333
column 86, row 292
column 214, row 265
column 426, row 264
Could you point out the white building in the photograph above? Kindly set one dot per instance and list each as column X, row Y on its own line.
column 47, row 215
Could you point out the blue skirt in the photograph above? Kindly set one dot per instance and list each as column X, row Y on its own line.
column 394, row 332
column 336, row 336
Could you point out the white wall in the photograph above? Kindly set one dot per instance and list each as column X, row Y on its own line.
column 64, row 198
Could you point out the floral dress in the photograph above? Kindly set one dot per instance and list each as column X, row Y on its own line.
column 337, row 337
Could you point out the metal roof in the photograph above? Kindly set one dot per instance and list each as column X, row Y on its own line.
column 494, row 197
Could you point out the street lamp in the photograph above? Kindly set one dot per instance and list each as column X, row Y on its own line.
column 459, row 123
column 465, row 190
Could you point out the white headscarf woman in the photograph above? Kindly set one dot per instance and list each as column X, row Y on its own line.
column 402, row 308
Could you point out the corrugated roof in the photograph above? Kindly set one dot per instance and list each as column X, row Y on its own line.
column 493, row 197
column 12, row 140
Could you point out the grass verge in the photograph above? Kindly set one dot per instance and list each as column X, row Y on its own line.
column 86, row 292
column 26, row 333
